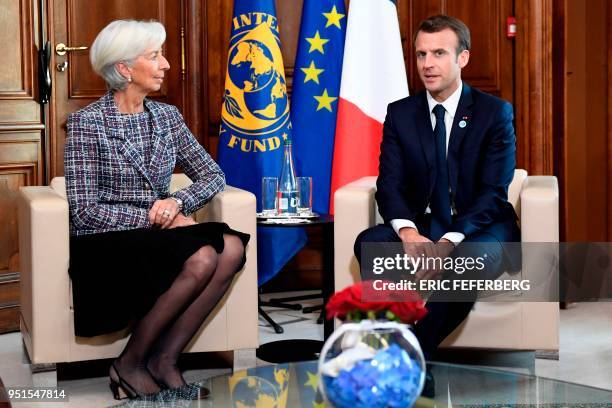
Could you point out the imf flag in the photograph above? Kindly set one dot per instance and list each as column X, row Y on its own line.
column 255, row 121
column 316, row 86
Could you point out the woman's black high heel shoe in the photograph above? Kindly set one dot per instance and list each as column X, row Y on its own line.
column 120, row 388
column 192, row 391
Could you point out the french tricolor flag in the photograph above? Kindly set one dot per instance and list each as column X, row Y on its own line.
column 373, row 75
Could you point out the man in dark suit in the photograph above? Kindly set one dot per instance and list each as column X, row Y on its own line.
column 447, row 159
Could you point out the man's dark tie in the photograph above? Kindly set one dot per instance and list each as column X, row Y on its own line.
column 440, row 200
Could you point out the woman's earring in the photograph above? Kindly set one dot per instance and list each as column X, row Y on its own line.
column 129, row 79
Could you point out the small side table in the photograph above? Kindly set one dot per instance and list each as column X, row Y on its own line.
column 304, row 350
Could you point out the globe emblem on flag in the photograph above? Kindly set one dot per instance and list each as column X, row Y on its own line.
column 254, row 392
column 258, row 90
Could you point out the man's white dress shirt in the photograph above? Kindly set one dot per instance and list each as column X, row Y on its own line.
column 450, row 105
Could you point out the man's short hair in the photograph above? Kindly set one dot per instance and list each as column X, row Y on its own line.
column 441, row 22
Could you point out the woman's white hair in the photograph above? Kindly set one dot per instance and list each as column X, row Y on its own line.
column 123, row 41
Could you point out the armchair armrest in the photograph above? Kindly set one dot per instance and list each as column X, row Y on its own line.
column 354, row 211
column 539, row 226
column 540, row 223
column 540, row 209
column 45, row 288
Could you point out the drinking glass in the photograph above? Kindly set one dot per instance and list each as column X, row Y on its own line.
column 304, row 195
column 269, row 185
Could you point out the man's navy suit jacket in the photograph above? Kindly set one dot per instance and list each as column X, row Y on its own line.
column 481, row 163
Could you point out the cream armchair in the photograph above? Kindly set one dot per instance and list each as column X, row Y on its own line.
column 491, row 325
column 47, row 320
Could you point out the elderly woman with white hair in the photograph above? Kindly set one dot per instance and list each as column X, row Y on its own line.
column 137, row 258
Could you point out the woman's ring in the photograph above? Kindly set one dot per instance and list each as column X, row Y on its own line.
column 166, row 213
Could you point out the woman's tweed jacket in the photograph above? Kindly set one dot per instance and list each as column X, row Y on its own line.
column 108, row 184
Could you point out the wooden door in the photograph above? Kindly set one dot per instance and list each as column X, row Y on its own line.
column 21, row 139
column 76, row 23
column 584, row 139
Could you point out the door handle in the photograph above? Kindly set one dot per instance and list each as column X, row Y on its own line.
column 62, row 49
column 44, row 73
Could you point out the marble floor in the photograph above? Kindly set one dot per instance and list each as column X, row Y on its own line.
column 585, row 356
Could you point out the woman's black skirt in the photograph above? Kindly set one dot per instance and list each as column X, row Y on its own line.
column 117, row 276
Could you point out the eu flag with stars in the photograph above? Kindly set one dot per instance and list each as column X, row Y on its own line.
column 255, row 121
column 316, row 86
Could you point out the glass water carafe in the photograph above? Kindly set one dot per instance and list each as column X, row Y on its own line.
column 287, row 195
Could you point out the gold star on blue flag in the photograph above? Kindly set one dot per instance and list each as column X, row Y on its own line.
column 308, row 379
column 312, row 72
column 333, row 18
column 325, row 101
column 317, row 43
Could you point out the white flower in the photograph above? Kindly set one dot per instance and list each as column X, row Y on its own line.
column 347, row 359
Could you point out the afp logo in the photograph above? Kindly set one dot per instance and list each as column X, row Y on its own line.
column 255, row 111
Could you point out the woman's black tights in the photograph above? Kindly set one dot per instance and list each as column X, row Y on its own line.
column 150, row 356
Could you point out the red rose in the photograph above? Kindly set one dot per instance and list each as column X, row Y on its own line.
column 361, row 298
column 337, row 305
column 406, row 305
column 409, row 312
column 350, row 299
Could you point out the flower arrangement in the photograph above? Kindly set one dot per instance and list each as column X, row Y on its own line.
column 404, row 307
column 373, row 359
